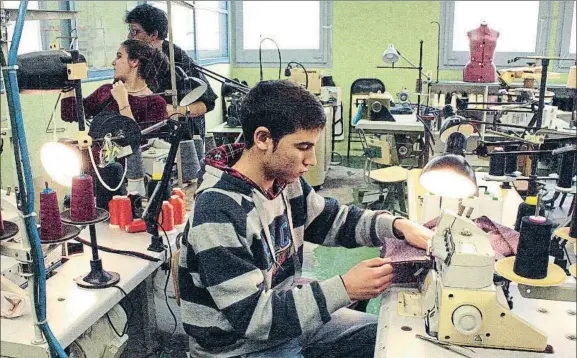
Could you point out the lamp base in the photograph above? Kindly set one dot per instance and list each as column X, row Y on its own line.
column 97, row 277
column 156, row 244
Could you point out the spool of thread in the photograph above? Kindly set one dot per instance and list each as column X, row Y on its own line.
column 180, row 193
column 526, row 209
column 82, row 205
column 178, row 207
column 510, row 161
column 566, row 171
column 190, row 163
column 134, row 165
column 137, row 225
column 497, row 164
column 166, row 217
column 114, row 209
column 199, row 147
column 209, row 142
column 532, row 257
column 50, row 223
column 124, row 212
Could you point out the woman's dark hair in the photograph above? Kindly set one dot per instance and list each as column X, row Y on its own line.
column 281, row 106
column 150, row 18
column 153, row 63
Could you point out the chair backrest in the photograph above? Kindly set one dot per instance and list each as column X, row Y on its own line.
column 363, row 86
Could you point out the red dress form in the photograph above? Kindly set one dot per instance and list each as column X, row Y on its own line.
column 482, row 43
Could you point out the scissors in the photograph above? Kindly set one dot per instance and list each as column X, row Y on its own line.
column 447, row 346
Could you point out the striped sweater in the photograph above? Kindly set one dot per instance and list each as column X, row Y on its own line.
column 243, row 253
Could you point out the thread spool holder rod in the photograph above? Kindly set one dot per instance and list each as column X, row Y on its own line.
column 97, row 277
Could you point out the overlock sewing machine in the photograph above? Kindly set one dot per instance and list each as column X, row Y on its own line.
column 460, row 302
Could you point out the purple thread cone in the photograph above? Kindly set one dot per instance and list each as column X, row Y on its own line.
column 50, row 222
column 82, row 207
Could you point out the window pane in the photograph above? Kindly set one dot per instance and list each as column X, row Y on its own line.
column 182, row 24
column 31, row 39
column 573, row 29
column 207, row 4
column 292, row 24
column 208, row 27
column 516, row 33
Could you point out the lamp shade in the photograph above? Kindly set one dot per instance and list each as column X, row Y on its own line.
column 456, row 124
column 449, row 175
column 198, row 88
column 391, row 55
column 61, row 162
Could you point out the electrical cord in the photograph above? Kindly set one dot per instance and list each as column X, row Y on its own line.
column 120, row 252
column 304, row 69
column 260, row 56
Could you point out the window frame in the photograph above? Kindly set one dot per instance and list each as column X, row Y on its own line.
column 321, row 58
column 563, row 36
column 451, row 60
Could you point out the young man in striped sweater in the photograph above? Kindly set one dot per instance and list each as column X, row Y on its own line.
column 242, row 257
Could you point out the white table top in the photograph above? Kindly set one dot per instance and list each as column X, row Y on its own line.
column 224, row 128
column 392, row 341
column 403, row 123
column 71, row 310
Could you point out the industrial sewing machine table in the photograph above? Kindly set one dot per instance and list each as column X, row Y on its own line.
column 71, row 310
column 396, row 334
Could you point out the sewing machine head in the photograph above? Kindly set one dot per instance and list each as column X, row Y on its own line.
column 461, row 305
column 462, row 252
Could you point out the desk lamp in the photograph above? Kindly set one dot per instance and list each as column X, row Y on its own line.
column 450, row 174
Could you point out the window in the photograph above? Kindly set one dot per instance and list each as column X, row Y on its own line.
column 212, row 26
column 182, row 24
column 39, row 35
column 302, row 30
column 519, row 35
column 200, row 28
column 566, row 40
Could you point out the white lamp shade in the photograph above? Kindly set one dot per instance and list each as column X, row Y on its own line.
column 199, row 88
column 61, row 162
column 391, row 55
column 449, row 175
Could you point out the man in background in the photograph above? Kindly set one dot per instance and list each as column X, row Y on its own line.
column 150, row 24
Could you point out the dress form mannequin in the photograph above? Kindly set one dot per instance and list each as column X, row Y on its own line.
column 482, row 43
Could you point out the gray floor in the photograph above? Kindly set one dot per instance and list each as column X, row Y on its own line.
column 342, row 183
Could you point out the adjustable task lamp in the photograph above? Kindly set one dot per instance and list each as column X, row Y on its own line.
column 450, row 174
column 454, row 123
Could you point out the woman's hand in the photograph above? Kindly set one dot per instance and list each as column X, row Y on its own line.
column 415, row 234
column 120, row 94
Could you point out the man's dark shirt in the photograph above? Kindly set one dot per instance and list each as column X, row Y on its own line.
column 182, row 60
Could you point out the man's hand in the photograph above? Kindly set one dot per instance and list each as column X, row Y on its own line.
column 415, row 234
column 368, row 279
column 120, row 94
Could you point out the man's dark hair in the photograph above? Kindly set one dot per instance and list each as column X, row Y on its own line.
column 150, row 18
column 281, row 106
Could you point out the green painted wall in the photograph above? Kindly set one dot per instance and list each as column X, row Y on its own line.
column 361, row 32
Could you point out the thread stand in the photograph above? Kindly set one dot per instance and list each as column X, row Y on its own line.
column 97, row 277
column 10, row 230
column 70, row 232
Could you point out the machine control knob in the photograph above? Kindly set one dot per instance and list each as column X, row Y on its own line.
column 467, row 320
